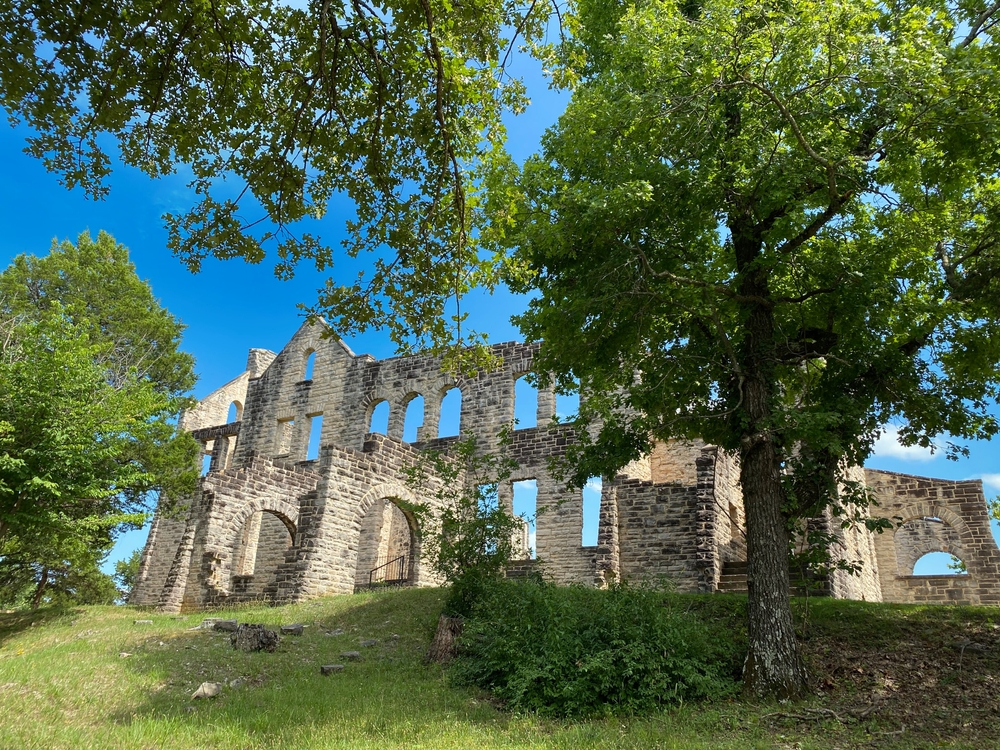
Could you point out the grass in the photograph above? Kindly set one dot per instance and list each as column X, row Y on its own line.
column 91, row 678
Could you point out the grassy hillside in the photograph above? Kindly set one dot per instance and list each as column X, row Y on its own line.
column 885, row 676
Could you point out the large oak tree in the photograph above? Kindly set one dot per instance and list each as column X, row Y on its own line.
column 773, row 225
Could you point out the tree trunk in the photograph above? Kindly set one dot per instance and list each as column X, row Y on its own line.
column 40, row 589
column 442, row 648
column 252, row 638
column 773, row 666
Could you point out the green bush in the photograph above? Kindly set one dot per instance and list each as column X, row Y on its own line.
column 571, row 651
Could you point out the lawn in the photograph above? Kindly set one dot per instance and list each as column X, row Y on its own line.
column 93, row 677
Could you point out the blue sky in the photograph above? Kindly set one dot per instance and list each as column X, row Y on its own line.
column 232, row 306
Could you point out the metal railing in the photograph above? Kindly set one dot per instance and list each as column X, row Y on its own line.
column 393, row 571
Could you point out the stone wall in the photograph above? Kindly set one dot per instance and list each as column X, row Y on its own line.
column 272, row 521
column 157, row 558
column 935, row 513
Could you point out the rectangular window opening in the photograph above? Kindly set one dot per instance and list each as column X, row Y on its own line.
column 591, row 511
column 315, row 430
column 526, row 506
column 488, row 501
column 206, row 463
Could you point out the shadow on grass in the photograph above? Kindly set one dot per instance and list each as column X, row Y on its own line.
column 14, row 623
column 388, row 693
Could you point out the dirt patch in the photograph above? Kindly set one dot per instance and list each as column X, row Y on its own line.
column 933, row 681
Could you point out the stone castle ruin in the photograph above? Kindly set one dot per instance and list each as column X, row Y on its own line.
column 274, row 520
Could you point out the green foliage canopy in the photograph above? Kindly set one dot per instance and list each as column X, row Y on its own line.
column 92, row 381
column 393, row 104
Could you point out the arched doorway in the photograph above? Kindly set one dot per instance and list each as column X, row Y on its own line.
column 260, row 548
column 386, row 546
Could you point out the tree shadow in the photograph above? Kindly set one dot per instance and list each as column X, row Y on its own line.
column 16, row 622
column 387, row 693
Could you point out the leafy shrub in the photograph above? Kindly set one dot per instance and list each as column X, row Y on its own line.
column 566, row 651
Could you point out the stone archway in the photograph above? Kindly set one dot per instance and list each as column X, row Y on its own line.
column 926, row 529
column 261, row 545
column 386, row 545
column 388, row 549
column 263, row 532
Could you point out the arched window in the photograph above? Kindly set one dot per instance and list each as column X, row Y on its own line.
column 525, row 404
column 235, row 412
column 307, row 371
column 450, row 423
column 379, row 419
column 939, row 564
column 413, row 418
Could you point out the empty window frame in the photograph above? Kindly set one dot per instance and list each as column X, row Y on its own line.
column 450, row 421
column 413, row 419
column 525, row 504
column 939, row 564
column 525, row 404
column 206, row 462
column 310, row 362
column 378, row 421
column 567, row 405
column 315, row 432
column 235, row 412
column 591, row 495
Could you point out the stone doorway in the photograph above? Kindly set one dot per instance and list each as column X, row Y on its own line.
column 261, row 545
column 386, row 546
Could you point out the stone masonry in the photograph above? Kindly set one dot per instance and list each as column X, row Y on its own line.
column 270, row 522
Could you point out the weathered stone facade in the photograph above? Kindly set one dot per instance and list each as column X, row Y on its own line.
column 270, row 521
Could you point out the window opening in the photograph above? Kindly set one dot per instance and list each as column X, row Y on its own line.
column 450, row 422
column 283, row 441
column 206, row 463
column 379, row 421
column 488, row 499
column 315, row 430
column 235, row 412
column 939, row 564
column 591, row 511
column 567, row 405
column 413, row 419
column 526, row 506
column 525, row 404
column 310, row 361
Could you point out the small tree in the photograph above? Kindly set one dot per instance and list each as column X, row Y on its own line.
column 127, row 573
column 476, row 537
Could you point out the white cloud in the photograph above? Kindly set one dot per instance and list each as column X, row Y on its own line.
column 990, row 480
column 888, row 446
column 593, row 485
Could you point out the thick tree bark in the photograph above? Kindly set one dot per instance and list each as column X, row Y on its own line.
column 443, row 647
column 773, row 666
